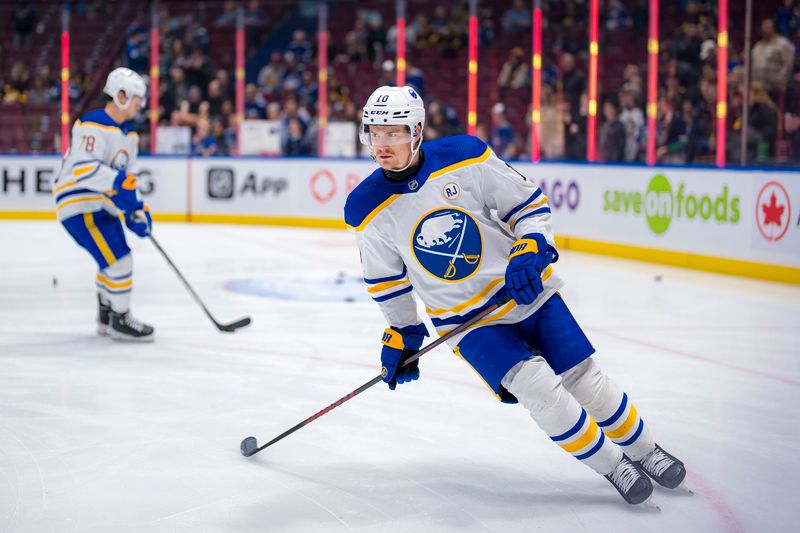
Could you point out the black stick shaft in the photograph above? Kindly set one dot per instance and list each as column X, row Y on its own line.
column 183, row 280
column 444, row 338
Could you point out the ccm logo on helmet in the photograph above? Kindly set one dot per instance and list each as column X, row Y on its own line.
column 378, row 112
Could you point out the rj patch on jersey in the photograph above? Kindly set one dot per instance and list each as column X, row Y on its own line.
column 447, row 244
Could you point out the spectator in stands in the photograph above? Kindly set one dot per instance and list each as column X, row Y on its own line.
column 517, row 17
column 197, row 69
column 293, row 77
column 788, row 18
column 486, row 26
column 309, row 89
column 437, row 123
column 273, row 111
column 292, row 110
column 772, row 59
column 671, row 137
column 503, row 135
column 175, row 91
column 575, row 122
column 376, row 41
column 388, row 76
column 24, row 17
column 514, row 72
column 482, row 132
column 792, row 117
column 254, row 107
column 632, row 119
column 271, row 75
column 763, row 121
column 228, row 15
column 551, row 127
column 573, row 81
column 421, row 28
column 416, row 78
column 39, row 92
column 136, row 49
column 255, row 22
column 632, row 83
column 617, row 16
column 701, row 126
column 300, row 46
column 16, row 86
column 612, row 134
column 295, row 141
column 214, row 98
column 203, row 142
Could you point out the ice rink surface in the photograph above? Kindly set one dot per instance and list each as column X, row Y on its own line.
column 97, row 436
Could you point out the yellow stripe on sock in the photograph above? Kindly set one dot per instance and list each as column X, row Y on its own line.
column 101, row 243
column 114, row 284
column 625, row 427
column 585, row 440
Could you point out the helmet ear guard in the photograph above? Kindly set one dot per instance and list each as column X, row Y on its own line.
column 129, row 83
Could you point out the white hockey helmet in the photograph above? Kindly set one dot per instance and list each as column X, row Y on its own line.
column 125, row 80
column 394, row 106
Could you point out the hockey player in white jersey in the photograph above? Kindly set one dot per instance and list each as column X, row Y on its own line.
column 451, row 221
column 96, row 188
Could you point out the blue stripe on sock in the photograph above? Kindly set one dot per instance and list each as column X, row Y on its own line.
column 572, row 430
column 616, row 415
column 635, row 435
column 594, row 448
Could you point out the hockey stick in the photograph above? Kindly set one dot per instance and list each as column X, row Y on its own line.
column 249, row 446
column 233, row 326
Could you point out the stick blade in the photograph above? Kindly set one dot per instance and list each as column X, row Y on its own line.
column 233, row 326
column 249, row 446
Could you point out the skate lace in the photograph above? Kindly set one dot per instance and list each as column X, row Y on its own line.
column 657, row 462
column 624, row 476
column 133, row 323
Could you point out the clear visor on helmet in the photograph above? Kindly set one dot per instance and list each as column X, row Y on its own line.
column 374, row 136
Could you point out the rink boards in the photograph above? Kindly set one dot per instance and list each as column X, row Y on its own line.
column 744, row 222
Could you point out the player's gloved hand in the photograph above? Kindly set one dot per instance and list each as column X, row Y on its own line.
column 140, row 222
column 124, row 193
column 527, row 259
column 398, row 345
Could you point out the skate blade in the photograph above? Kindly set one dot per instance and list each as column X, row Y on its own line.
column 651, row 505
column 126, row 338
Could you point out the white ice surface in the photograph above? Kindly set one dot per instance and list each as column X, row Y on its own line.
column 99, row 437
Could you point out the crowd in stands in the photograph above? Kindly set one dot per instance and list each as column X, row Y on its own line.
column 198, row 92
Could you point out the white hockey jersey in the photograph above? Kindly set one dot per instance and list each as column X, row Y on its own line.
column 100, row 149
column 446, row 233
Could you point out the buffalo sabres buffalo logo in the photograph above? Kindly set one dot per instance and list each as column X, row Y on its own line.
column 447, row 243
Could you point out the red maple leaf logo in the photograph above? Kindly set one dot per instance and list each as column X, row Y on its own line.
column 772, row 211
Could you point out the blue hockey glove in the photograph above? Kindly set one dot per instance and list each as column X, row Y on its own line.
column 398, row 345
column 124, row 193
column 140, row 222
column 527, row 259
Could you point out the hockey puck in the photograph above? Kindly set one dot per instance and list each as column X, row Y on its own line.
column 349, row 299
column 55, row 281
column 658, row 277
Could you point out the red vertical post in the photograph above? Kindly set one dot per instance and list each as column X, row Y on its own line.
column 652, row 83
column 322, row 77
column 239, row 77
column 400, row 60
column 155, row 74
column 722, row 81
column 65, row 80
column 536, row 86
column 594, row 48
column 472, row 69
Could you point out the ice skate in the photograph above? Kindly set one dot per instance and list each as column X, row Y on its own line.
column 127, row 329
column 103, row 318
column 665, row 469
column 630, row 481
